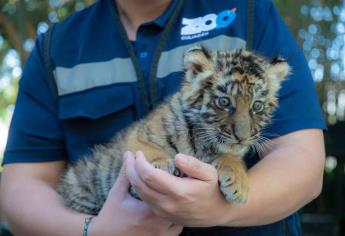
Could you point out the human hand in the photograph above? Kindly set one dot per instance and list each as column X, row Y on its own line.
column 124, row 215
column 192, row 201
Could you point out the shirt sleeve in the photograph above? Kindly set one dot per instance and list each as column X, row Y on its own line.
column 35, row 133
column 299, row 106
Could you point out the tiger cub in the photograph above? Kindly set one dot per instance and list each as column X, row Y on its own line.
column 226, row 98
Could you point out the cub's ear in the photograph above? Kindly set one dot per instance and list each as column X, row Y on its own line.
column 276, row 72
column 279, row 69
column 197, row 60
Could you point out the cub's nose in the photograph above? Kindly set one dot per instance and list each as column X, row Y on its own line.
column 241, row 132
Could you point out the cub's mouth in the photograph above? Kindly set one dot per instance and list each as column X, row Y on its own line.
column 233, row 141
column 235, row 148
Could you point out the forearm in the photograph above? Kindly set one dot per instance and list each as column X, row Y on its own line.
column 285, row 180
column 33, row 208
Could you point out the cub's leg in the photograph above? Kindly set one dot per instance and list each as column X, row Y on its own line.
column 233, row 179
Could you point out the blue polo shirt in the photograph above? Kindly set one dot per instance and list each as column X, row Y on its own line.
column 146, row 42
column 105, row 82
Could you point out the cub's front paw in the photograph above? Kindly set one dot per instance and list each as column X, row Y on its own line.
column 233, row 178
column 168, row 165
column 234, row 188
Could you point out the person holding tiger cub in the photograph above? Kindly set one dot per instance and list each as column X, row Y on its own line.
column 113, row 63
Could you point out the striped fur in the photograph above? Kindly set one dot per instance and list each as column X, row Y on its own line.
column 225, row 100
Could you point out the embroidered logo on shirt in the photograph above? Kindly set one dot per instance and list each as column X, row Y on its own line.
column 201, row 26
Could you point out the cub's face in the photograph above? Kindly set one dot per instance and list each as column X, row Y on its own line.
column 231, row 95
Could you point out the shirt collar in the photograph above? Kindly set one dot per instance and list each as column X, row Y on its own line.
column 162, row 20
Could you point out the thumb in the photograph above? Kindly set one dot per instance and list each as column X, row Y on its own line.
column 122, row 184
column 195, row 168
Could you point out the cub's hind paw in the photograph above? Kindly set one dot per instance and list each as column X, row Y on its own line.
column 168, row 165
column 233, row 189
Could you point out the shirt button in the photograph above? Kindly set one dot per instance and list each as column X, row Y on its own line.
column 143, row 54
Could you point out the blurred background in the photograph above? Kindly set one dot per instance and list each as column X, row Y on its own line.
column 318, row 26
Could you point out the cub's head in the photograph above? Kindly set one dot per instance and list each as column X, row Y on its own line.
column 230, row 95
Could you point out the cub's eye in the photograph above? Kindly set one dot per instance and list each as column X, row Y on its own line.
column 223, row 102
column 258, row 106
